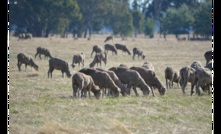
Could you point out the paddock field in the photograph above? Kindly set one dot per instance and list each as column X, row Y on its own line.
column 42, row 105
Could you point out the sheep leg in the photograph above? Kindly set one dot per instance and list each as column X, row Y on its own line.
column 62, row 72
column 167, row 83
column 36, row 55
column 50, row 72
column 26, row 67
column 198, row 87
column 192, row 87
column 152, row 91
column 135, row 91
column 19, row 66
column 40, row 56
column 183, row 86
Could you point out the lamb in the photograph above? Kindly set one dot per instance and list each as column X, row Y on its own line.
column 148, row 65
column 78, row 58
column 111, row 48
column 187, row 74
column 203, row 78
column 108, row 38
column 196, row 64
column 123, row 65
column 27, row 60
column 102, row 56
column 209, row 65
column 116, row 80
column 43, row 51
column 132, row 78
column 137, row 51
column 150, row 79
column 84, row 83
column 171, row 76
column 123, row 48
column 96, row 49
column 208, row 56
column 102, row 79
column 58, row 64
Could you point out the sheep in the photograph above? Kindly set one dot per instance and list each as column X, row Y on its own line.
column 137, row 51
column 123, row 65
column 187, row 74
column 84, row 83
column 102, row 56
column 203, row 78
column 116, row 80
column 148, row 65
column 123, row 48
column 102, row 79
column 58, row 64
column 209, row 65
column 27, row 60
column 78, row 58
column 150, row 79
column 208, row 56
column 171, row 75
column 108, row 38
column 96, row 49
column 132, row 78
column 111, row 48
column 43, row 51
column 196, row 64
column 25, row 36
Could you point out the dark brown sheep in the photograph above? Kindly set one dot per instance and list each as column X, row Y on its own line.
column 96, row 49
column 132, row 78
column 43, row 51
column 187, row 74
column 58, row 64
column 85, row 84
column 27, row 60
column 77, row 59
column 151, row 79
column 110, row 47
column 138, row 52
column 102, row 79
column 123, row 48
column 116, row 80
column 196, row 65
column 123, row 65
column 171, row 75
column 209, row 65
column 108, row 38
column 208, row 56
column 102, row 56
column 148, row 65
column 203, row 78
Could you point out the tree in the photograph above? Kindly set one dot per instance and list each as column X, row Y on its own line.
column 149, row 26
column 45, row 16
column 202, row 23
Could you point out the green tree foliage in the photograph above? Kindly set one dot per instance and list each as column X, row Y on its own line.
column 149, row 26
column 121, row 20
column 45, row 16
column 202, row 23
column 177, row 21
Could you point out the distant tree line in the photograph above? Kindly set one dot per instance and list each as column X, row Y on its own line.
column 124, row 17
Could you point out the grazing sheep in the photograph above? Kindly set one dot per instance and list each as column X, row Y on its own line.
column 171, row 76
column 123, row 65
column 148, row 65
column 111, row 48
column 84, row 83
column 77, row 59
column 196, row 65
column 58, row 64
column 24, row 36
column 102, row 56
column 109, row 38
column 137, row 51
column 203, row 78
column 116, row 80
column 27, row 60
column 102, row 79
column 123, row 48
column 151, row 79
column 208, row 56
column 209, row 65
column 96, row 49
column 43, row 51
column 132, row 78
column 187, row 74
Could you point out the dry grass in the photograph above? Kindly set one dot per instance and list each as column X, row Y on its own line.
column 45, row 106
